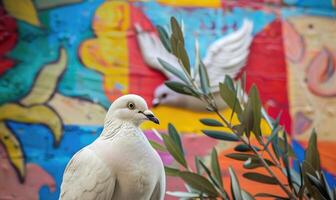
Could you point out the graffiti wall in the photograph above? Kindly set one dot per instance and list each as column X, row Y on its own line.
column 62, row 63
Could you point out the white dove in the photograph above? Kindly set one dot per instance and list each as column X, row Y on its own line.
column 225, row 56
column 120, row 164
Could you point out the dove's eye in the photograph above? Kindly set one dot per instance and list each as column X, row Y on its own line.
column 164, row 95
column 131, row 105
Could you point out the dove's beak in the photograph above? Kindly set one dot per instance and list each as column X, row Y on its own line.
column 150, row 116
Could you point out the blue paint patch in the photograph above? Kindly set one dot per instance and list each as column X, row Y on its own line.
column 37, row 142
column 310, row 3
column 204, row 24
column 297, row 11
column 39, row 46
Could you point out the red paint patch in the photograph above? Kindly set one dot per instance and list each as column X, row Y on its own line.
column 8, row 39
column 266, row 68
column 143, row 79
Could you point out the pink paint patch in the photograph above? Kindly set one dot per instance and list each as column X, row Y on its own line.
column 10, row 186
column 143, row 80
column 301, row 123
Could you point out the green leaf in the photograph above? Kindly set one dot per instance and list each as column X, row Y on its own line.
column 246, row 195
column 164, row 38
column 261, row 178
column 157, row 146
column 211, row 122
column 256, row 107
column 247, row 119
column 176, row 29
column 245, row 148
column 230, row 97
column 312, row 155
column 221, row 135
column 208, row 172
column 274, row 133
column 317, row 183
column 199, row 183
column 183, row 56
column 281, row 144
column 285, row 160
column 183, row 194
column 241, row 156
column 181, row 88
column 229, row 82
column 197, row 164
column 204, row 78
column 253, row 163
column 173, row 44
column 243, row 81
column 173, row 70
column 215, row 167
column 270, row 195
column 175, row 136
column 174, row 150
column 171, row 171
column 235, row 187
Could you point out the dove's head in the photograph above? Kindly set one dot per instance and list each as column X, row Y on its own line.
column 165, row 96
column 131, row 108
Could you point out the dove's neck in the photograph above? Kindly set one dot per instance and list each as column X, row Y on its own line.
column 112, row 127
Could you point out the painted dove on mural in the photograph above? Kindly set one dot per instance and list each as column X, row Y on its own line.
column 120, row 163
column 226, row 56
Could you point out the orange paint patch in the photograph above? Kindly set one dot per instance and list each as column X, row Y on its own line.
column 248, row 185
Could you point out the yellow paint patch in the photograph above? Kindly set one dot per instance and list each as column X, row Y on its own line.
column 192, row 3
column 23, row 10
column 188, row 121
column 108, row 53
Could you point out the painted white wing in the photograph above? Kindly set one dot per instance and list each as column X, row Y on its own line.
column 226, row 56
column 152, row 48
column 87, row 177
column 229, row 54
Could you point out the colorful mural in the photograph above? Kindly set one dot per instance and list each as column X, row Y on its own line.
column 62, row 63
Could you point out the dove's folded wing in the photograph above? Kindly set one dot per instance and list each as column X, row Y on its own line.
column 152, row 48
column 87, row 177
column 228, row 55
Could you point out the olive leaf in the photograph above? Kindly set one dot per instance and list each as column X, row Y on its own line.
column 175, row 136
column 204, row 78
column 245, row 148
column 183, row 194
column 181, row 88
column 241, row 156
column 173, row 70
column 312, row 156
column 183, row 56
column 211, row 122
column 230, row 98
column 164, row 38
column 215, row 167
column 174, row 150
column 171, row 171
column 221, row 135
column 157, row 146
column 199, row 183
column 176, row 29
column 252, row 163
column 261, row 178
column 235, row 187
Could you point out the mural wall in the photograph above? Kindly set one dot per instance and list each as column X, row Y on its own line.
column 62, row 63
